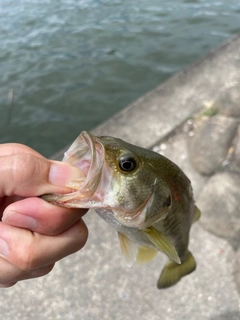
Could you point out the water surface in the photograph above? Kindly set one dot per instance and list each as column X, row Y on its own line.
column 74, row 63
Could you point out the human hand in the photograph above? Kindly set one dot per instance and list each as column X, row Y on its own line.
column 34, row 234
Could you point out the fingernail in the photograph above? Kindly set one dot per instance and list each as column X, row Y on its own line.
column 61, row 175
column 19, row 220
column 3, row 248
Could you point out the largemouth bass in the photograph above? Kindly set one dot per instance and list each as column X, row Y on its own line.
column 143, row 195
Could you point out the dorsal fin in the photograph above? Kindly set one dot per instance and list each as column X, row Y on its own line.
column 129, row 249
column 162, row 243
column 146, row 254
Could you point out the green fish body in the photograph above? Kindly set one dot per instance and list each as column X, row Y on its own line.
column 140, row 193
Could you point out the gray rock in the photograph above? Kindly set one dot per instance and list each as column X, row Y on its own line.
column 236, row 151
column 209, row 146
column 237, row 270
column 176, row 149
column 219, row 203
column 228, row 102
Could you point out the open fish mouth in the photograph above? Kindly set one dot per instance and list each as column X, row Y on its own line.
column 86, row 153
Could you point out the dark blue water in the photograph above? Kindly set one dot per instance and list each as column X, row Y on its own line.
column 74, row 63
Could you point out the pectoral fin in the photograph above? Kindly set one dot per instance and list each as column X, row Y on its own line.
column 146, row 254
column 129, row 249
column 197, row 214
column 162, row 243
column 173, row 272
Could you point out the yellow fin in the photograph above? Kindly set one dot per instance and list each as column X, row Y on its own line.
column 173, row 272
column 197, row 214
column 146, row 254
column 129, row 249
column 162, row 243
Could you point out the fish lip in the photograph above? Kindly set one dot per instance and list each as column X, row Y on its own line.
column 87, row 143
column 97, row 158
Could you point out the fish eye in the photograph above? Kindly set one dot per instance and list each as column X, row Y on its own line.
column 127, row 164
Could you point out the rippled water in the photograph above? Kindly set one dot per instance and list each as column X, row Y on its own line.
column 74, row 63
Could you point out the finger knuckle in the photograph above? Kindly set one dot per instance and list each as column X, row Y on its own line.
column 26, row 167
column 54, row 229
column 45, row 270
column 7, row 285
column 82, row 232
column 26, row 263
column 27, row 259
column 40, row 272
column 23, row 167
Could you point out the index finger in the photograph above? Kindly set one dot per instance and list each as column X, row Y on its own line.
column 7, row 149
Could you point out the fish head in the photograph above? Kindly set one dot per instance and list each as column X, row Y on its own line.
column 118, row 178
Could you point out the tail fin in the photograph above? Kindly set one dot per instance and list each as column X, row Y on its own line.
column 173, row 272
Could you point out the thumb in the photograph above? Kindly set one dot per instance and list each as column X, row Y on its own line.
column 26, row 175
